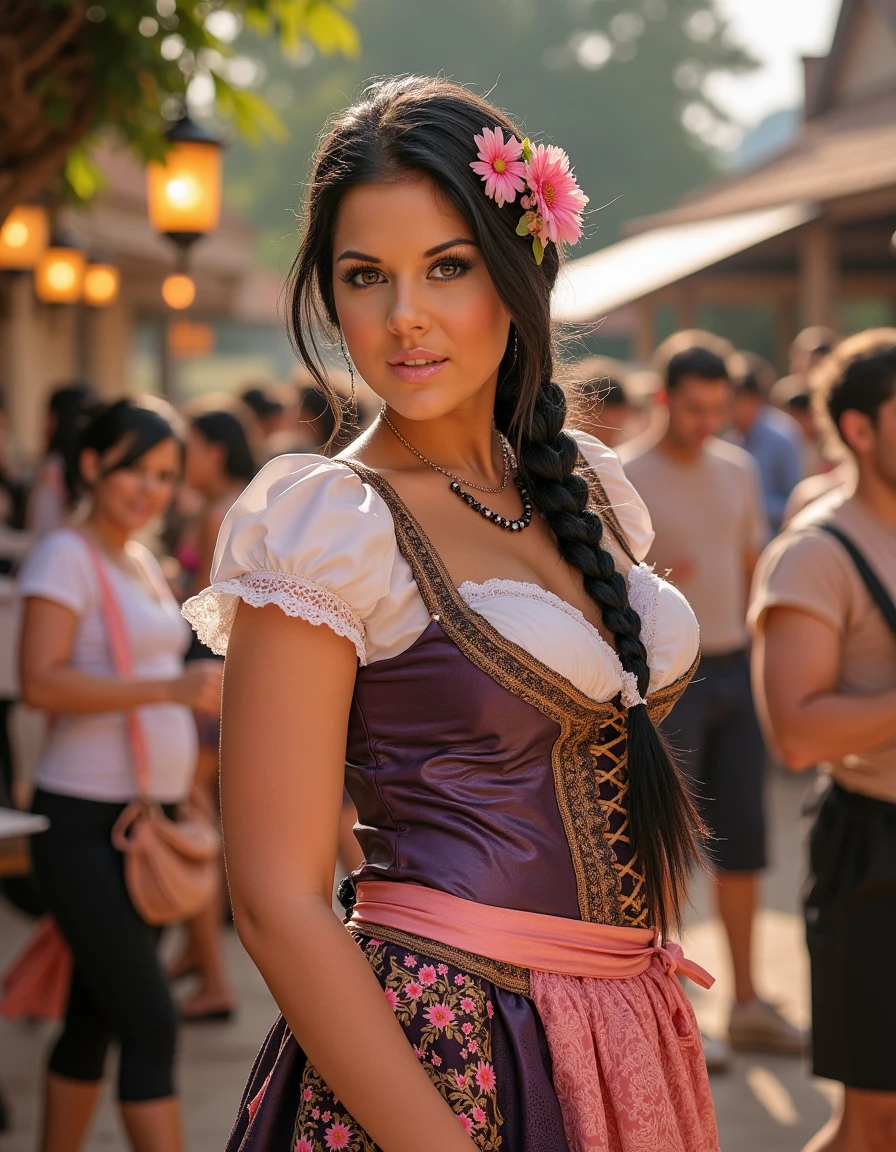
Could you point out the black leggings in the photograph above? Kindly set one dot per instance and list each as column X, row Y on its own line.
column 119, row 990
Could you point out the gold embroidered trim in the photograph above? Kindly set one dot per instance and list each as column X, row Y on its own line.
column 600, row 875
column 510, row 977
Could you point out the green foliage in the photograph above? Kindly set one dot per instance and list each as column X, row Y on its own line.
column 608, row 80
column 145, row 55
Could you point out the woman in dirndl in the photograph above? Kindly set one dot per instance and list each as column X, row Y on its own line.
column 454, row 614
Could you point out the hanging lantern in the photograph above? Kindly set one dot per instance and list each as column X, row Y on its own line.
column 101, row 284
column 178, row 290
column 59, row 273
column 23, row 237
column 184, row 190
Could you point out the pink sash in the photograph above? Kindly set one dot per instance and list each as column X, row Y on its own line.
column 627, row 1060
column 528, row 939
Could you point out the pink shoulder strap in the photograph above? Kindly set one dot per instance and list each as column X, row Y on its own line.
column 122, row 661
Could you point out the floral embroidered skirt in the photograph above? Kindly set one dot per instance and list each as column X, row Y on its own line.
column 485, row 1050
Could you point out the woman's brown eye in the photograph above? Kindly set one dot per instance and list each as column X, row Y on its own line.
column 369, row 277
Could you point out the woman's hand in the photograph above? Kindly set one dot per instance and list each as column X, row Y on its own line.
column 199, row 687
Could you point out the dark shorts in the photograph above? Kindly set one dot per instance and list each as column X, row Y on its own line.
column 714, row 731
column 851, row 934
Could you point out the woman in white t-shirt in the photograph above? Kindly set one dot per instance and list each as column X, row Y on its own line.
column 130, row 461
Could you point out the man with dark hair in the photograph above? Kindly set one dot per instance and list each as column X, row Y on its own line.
column 824, row 663
column 705, row 502
column 753, row 427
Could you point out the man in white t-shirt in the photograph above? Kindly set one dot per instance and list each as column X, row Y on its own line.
column 705, row 501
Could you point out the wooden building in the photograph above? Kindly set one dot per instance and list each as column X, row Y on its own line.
column 807, row 235
column 44, row 345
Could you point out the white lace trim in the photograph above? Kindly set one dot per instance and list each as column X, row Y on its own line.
column 475, row 593
column 644, row 597
column 211, row 613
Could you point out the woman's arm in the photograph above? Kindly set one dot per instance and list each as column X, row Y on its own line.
column 50, row 683
column 287, row 692
column 796, row 664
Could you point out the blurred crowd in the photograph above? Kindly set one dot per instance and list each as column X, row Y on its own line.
column 725, row 453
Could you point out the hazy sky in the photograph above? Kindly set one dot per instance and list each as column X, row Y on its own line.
column 778, row 32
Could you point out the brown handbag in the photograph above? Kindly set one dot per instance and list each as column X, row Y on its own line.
column 170, row 866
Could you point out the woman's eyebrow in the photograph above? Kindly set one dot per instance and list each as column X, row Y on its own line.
column 351, row 254
column 451, row 244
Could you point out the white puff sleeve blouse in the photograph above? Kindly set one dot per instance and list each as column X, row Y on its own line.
column 310, row 536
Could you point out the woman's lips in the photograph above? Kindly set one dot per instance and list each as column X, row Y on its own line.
column 415, row 373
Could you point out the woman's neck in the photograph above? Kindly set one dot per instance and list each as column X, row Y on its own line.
column 110, row 536
column 462, row 442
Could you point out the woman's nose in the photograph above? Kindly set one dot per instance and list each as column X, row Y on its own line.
column 406, row 314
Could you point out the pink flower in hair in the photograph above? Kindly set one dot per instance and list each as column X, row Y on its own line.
column 499, row 165
column 559, row 198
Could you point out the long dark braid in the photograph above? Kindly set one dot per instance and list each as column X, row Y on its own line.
column 665, row 830
column 413, row 126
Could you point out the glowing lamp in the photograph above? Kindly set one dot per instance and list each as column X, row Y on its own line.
column 59, row 275
column 101, row 284
column 184, row 190
column 178, row 290
column 23, row 237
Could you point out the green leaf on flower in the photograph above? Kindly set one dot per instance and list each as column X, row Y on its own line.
column 522, row 228
column 538, row 249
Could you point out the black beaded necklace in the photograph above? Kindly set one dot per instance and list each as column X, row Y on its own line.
column 458, row 484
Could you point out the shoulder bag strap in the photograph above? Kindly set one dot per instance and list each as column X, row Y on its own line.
column 123, row 662
column 877, row 591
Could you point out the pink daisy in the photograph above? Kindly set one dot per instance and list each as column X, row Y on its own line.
column 499, row 165
column 427, row 974
column 337, row 1136
column 391, row 999
column 440, row 1015
column 485, row 1076
column 466, row 1121
column 410, row 961
column 437, row 1061
column 303, row 1144
column 459, row 979
column 461, row 1080
column 327, row 1116
column 413, row 990
column 443, row 968
column 472, row 1045
column 467, row 1028
column 467, row 1004
column 559, row 199
column 315, row 1113
column 306, row 1093
column 478, row 1115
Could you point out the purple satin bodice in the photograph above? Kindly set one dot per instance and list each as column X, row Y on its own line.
column 452, row 778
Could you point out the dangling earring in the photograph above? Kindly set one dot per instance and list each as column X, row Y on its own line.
column 353, row 404
column 515, row 347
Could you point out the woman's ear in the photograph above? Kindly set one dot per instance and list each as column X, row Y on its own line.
column 89, row 466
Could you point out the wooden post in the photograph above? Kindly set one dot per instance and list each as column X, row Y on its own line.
column 785, row 331
column 818, row 273
column 644, row 334
column 109, row 334
column 686, row 308
column 24, row 370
